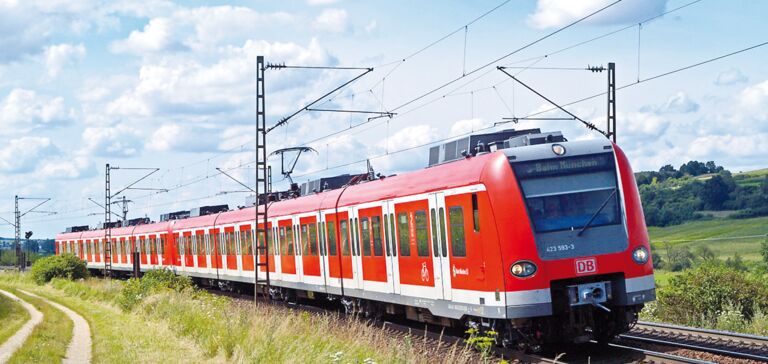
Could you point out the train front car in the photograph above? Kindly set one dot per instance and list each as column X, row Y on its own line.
column 573, row 241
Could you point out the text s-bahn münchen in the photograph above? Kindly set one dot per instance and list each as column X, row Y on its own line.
column 540, row 238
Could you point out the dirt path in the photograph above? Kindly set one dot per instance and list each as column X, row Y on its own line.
column 79, row 350
column 17, row 340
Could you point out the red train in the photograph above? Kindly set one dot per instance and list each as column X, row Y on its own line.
column 539, row 238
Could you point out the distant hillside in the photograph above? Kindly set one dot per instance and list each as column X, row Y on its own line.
column 701, row 191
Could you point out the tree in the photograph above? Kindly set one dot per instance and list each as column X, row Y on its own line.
column 715, row 192
column 656, row 258
column 679, row 258
column 736, row 263
column 704, row 253
column 667, row 168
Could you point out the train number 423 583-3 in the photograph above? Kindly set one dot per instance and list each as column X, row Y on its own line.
column 560, row 248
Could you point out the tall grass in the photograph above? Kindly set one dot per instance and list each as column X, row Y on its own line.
column 12, row 317
column 49, row 340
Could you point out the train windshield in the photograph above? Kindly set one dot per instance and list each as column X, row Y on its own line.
column 571, row 193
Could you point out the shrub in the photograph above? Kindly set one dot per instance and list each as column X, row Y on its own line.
column 135, row 290
column 58, row 266
column 701, row 296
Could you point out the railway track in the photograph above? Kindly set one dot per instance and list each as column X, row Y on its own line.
column 723, row 343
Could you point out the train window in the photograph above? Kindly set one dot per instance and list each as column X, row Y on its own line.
column 357, row 237
column 305, row 239
column 392, row 229
column 434, row 231
column 152, row 246
column 366, row 233
column 376, row 227
column 405, row 240
column 188, row 249
column 321, row 228
column 180, row 245
column 331, row 238
column 442, row 232
column 312, row 234
column 297, row 237
column 475, row 213
column 282, row 240
column 289, row 240
column 344, row 237
column 456, row 219
column 422, row 234
column 386, row 232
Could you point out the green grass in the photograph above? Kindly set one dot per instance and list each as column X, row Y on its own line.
column 49, row 340
column 137, row 341
column 725, row 236
column 12, row 315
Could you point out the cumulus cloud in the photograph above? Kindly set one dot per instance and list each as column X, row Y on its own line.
column 120, row 141
column 678, row 103
column 183, row 138
column 61, row 55
column 332, row 20
column 200, row 28
column 24, row 110
column 24, row 154
column 730, row 77
column 69, row 167
column 557, row 13
column 754, row 99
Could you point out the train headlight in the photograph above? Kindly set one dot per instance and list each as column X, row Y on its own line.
column 558, row 149
column 523, row 269
column 640, row 255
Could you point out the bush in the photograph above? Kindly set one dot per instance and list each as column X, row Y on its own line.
column 709, row 294
column 135, row 290
column 58, row 266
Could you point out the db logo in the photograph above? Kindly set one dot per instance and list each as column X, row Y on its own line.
column 424, row 272
column 586, row 266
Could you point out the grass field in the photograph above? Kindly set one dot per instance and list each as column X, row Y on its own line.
column 49, row 340
column 12, row 317
column 724, row 236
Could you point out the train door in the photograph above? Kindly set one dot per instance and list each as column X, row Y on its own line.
column 374, row 263
column 276, row 250
column 465, row 247
column 287, row 251
column 322, row 248
column 272, row 247
column 297, row 258
column 189, row 256
column 390, row 238
column 439, row 248
column 337, row 246
column 354, row 240
column 246, row 247
column 310, row 256
column 214, row 244
column 229, row 244
column 201, row 256
column 415, row 257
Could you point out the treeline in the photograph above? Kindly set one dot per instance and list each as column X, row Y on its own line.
column 672, row 196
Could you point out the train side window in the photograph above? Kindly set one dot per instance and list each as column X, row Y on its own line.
column 179, row 246
column 434, row 231
column 321, row 228
column 386, row 232
column 282, row 240
column 344, row 237
column 289, row 240
column 404, row 237
column 376, row 232
column 422, row 234
column 357, row 237
column 442, row 232
column 312, row 234
column 304, row 239
column 331, row 238
column 366, row 234
column 475, row 214
column 297, row 237
column 458, row 243
column 392, row 229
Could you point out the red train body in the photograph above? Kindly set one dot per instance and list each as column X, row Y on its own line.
column 544, row 243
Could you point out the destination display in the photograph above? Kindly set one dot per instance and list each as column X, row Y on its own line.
column 560, row 166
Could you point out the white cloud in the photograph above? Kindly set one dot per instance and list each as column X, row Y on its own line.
column 199, row 29
column 754, row 100
column 332, row 20
column 557, row 13
column 24, row 154
column 157, row 36
column 69, row 167
column 176, row 137
column 61, row 55
column 730, row 77
column 679, row 103
column 321, row 2
column 120, row 141
column 23, row 110
column 466, row 126
column 371, row 26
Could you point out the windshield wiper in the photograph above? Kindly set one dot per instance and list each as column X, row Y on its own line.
column 586, row 226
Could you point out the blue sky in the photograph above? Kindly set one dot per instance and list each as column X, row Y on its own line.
column 171, row 85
